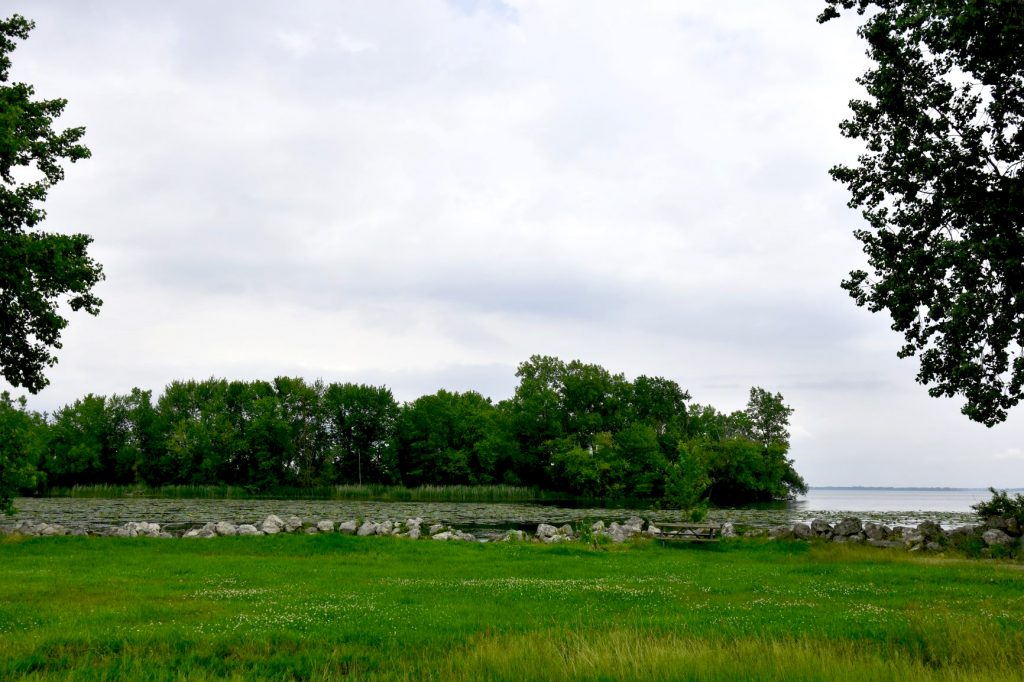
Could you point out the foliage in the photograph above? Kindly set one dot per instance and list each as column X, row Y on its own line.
column 572, row 428
column 941, row 188
column 1002, row 504
column 39, row 271
column 20, row 432
column 339, row 607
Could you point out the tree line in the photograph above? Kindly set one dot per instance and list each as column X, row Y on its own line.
column 570, row 427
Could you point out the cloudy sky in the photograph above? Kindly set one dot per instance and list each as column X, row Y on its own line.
column 423, row 194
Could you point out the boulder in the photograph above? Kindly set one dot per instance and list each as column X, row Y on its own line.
column 465, row 537
column 995, row 537
column 851, row 525
column 557, row 537
column 728, row 530
column 821, row 528
column 781, row 533
column 368, row 528
column 206, row 531
column 414, row 533
column 442, row 536
column 249, row 529
column 1013, row 527
column 384, row 528
column 566, row 530
column 514, row 536
column 545, row 531
column 933, row 546
column 597, row 525
column 620, row 533
column 348, row 527
column 930, row 530
column 272, row 524
column 997, row 522
column 325, row 526
column 312, row 530
column 413, row 523
column 635, row 523
column 292, row 524
column 653, row 530
column 802, row 531
column 435, row 528
column 225, row 528
column 912, row 538
column 875, row 531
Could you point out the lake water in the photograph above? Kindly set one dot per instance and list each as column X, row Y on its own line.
column 891, row 506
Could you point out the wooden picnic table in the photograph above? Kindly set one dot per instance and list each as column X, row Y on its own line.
column 690, row 532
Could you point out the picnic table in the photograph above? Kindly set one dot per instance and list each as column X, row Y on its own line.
column 690, row 532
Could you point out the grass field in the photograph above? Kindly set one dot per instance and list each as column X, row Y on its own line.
column 336, row 607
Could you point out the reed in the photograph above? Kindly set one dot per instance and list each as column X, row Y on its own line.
column 386, row 493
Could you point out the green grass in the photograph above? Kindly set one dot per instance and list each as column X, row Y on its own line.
column 333, row 606
column 390, row 493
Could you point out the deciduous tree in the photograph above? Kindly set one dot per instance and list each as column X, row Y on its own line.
column 39, row 271
column 940, row 186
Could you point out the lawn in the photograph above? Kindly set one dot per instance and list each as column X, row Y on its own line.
column 331, row 606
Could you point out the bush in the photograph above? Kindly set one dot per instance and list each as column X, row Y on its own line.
column 1003, row 505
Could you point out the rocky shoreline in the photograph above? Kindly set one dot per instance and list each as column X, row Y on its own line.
column 926, row 536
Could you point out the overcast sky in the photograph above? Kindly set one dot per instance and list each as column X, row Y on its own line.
column 423, row 194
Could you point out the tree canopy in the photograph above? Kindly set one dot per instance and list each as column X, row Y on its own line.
column 570, row 427
column 940, row 187
column 38, row 270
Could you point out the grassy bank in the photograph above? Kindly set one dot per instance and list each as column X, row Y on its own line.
column 324, row 607
column 384, row 493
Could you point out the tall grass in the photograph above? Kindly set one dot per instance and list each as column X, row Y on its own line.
column 389, row 493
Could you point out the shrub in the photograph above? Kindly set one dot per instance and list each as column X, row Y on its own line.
column 1003, row 505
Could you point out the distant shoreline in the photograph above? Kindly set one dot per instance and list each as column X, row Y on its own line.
column 900, row 488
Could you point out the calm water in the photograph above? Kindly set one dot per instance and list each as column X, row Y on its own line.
column 892, row 506
column 891, row 499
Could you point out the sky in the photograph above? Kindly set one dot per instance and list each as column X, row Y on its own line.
column 423, row 194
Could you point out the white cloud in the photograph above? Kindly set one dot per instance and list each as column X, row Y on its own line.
column 430, row 192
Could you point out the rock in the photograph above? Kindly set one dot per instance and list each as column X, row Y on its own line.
column 802, row 531
column 514, row 536
column 557, row 537
column 858, row 537
column 384, row 528
column 912, row 538
column 368, row 528
column 414, row 533
column 325, row 526
column 204, row 532
column 597, row 526
column 248, row 529
column 995, row 537
column 635, row 523
column 997, row 522
column 620, row 533
column 225, row 528
column 545, row 530
column 348, row 527
column 848, row 526
column 436, row 528
column 930, row 530
column 933, row 546
column 465, row 537
column 874, row 531
column 728, row 530
column 413, row 523
column 964, row 532
column 821, row 528
column 272, row 524
column 653, row 530
column 53, row 530
column 780, row 533
column 312, row 530
column 292, row 524
column 1013, row 527
column 442, row 536
column 567, row 531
